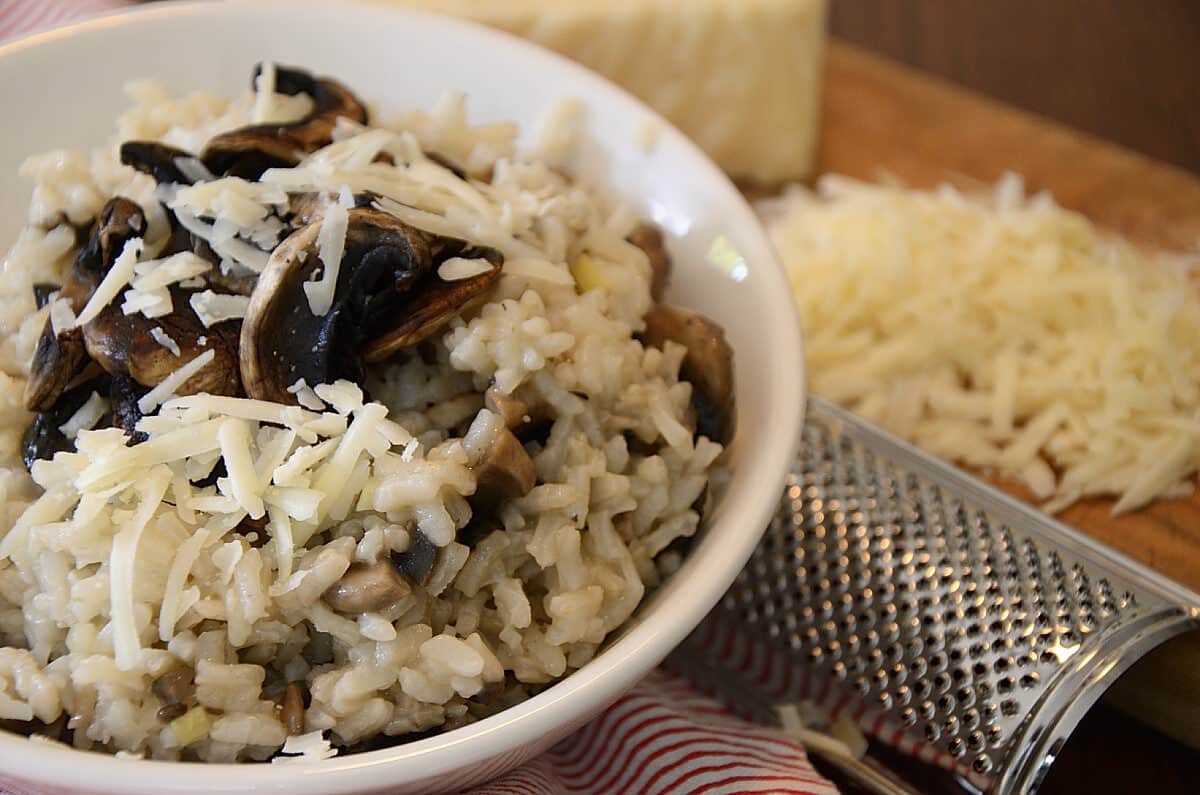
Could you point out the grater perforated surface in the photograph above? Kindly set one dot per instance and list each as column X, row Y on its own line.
column 953, row 623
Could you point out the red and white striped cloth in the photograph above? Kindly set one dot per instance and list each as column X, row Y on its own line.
column 665, row 738
column 662, row 738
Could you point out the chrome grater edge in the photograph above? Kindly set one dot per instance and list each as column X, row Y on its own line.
column 958, row 627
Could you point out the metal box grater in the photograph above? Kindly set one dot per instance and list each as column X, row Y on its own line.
column 961, row 630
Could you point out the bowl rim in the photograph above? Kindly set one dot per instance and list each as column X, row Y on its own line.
column 626, row 659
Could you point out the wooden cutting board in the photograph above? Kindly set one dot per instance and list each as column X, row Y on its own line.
column 881, row 118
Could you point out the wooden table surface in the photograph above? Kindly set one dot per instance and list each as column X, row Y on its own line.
column 1125, row 70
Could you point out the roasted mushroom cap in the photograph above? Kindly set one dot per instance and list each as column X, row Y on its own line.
column 60, row 357
column 430, row 306
column 708, row 365
column 44, row 438
column 158, row 160
column 250, row 151
column 122, row 345
column 386, row 296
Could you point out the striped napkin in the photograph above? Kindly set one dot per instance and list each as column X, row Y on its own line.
column 663, row 737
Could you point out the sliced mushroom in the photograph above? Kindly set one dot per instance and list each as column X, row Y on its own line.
column 504, row 472
column 58, row 358
column 230, row 283
column 291, row 711
column 708, row 365
column 512, row 411
column 367, row 587
column 43, row 438
column 649, row 239
column 42, row 292
column 416, row 563
column 176, row 686
column 159, row 161
column 430, row 308
column 122, row 345
column 250, row 151
column 386, row 296
column 123, row 396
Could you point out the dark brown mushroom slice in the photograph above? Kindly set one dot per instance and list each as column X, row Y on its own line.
column 708, row 365
column 123, row 345
column 432, row 305
column 367, row 587
column 59, row 358
column 123, row 396
column 385, row 281
column 249, row 151
column 649, row 238
column 56, row 361
column 158, row 160
column 43, row 438
column 416, row 563
column 230, row 283
column 504, row 472
column 42, row 292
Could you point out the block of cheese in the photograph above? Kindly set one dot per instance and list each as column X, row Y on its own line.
column 741, row 77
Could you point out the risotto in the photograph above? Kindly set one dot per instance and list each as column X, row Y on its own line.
column 321, row 433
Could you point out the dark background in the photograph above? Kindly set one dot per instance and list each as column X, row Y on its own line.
column 1125, row 70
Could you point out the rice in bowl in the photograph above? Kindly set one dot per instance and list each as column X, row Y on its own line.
column 364, row 431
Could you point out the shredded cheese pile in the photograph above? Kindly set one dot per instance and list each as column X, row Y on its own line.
column 1002, row 332
column 301, row 470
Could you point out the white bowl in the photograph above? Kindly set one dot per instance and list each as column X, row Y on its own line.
column 63, row 88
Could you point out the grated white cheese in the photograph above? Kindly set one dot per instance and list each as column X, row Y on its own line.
column 1002, row 332
column 150, row 489
column 305, row 749
column 458, row 268
column 86, row 416
column 193, row 168
column 305, row 395
column 61, row 315
column 213, row 307
column 264, row 93
column 113, row 282
column 234, row 436
column 162, row 338
column 159, row 394
column 331, row 243
column 181, row 567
